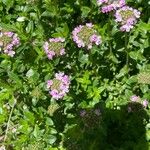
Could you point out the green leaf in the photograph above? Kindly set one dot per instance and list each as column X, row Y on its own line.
column 136, row 55
column 62, row 31
column 49, row 121
column 132, row 79
column 29, row 117
column 30, row 73
column 4, row 95
column 83, row 58
column 122, row 72
column 30, row 27
column 21, row 19
column 85, row 11
column 8, row 3
column 51, row 139
column 13, row 76
column 36, row 131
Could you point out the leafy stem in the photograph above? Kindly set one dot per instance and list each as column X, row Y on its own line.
column 109, row 34
column 8, row 122
column 126, row 50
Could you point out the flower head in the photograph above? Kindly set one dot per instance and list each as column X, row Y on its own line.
column 110, row 5
column 135, row 98
column 145, row 103
column 127, row 18
column 144, row 77
column 86, row 36
column 54, row 47
column 59, row 86
column 8, row 41
column 91, row 117
column 82, row 113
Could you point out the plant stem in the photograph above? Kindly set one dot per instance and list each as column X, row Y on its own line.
column 8, row 123
column 127, row 53
column 109, row 34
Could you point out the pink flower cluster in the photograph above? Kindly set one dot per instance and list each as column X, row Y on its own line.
column 145, row 103
column 86, row 36
column 59, row 86
column 127, row 17
column 54, row 47
column 135, row 98
column 95, row 111
column 8, row 41
column 110, row 5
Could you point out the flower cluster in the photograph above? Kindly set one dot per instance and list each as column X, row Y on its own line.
column 54, row 47
column 144, row 77
column 91, row 118
column 96, row 112
column 59, row 86
column 109, row 5
column 135, row 98
column 127, row 17
column 86, row 36
column 8, row 41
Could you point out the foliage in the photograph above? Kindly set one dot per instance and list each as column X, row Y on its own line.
column 104, row 77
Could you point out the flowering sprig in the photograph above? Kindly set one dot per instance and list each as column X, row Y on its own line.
column 54, row 47
column 110, row 5
column 86, row 36
column 59, row 86
column 127, row 17
column 8, row 41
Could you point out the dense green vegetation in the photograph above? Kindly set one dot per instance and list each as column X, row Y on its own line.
column 106, row 107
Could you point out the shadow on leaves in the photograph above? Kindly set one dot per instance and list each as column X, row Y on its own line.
column 108, row 129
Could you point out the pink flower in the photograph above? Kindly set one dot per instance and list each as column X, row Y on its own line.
column 127, row 18
column 135, row 98
column 89, row 46
column 49, row 83
column 110, row 5
column 59, row 76
column 100, row 2
column 15, row 40
column 82, row 113
column 54, row 94
column 95, row 39
column 58, row 86
column 11, row 53
column 50, row 55
column 90, row 25
column 62, row 51
column 9, row 34
column 10, row 44
column 86, row 36
column 54, row 47
column 145, row 103
column 126, row 28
